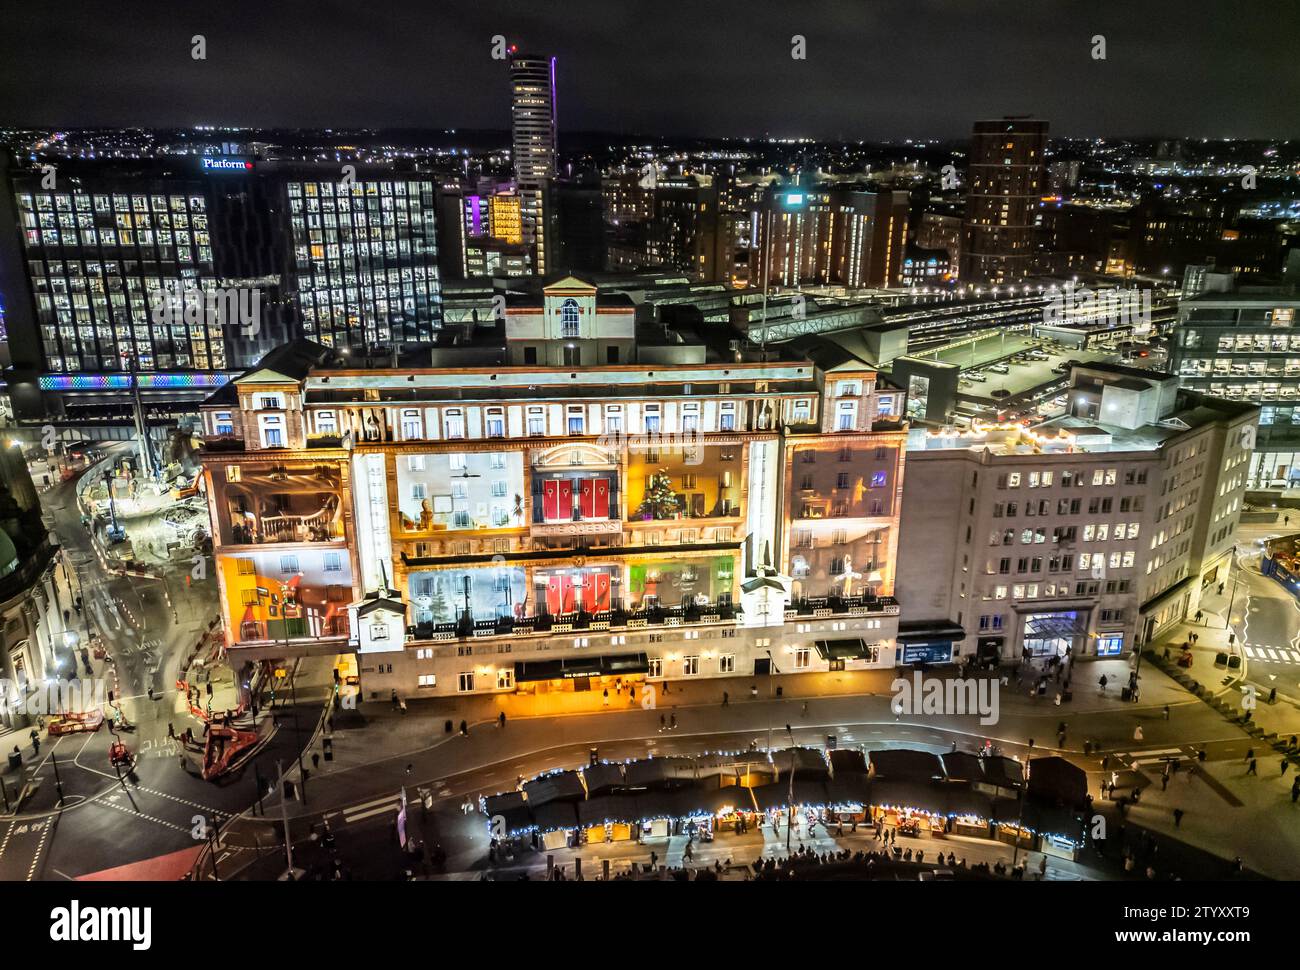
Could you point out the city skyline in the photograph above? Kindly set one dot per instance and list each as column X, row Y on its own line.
column 892, row 72
column 412, row 470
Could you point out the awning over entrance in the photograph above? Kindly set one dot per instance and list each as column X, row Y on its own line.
column 573, row 667
column 841, row 649
column 1055, row 626
column 929, row 631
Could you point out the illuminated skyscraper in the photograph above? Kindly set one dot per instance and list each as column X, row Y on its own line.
column 1005, row 185
column 532, row 118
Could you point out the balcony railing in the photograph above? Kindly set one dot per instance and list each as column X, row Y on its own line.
column 843, row 605
column 578, row 621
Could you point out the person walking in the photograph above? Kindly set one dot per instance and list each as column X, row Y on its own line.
column 1178, row 817
column 726, row 698
column 663, row 722
column 673, row 722
column 1295, row 790
column 1285, row 765
column 501, row 719
column 1251, row 769
column 1137, row 733
column 464, row 729
column 605, row 697
column 1164, row 778
column 1166, row 712
column 805, row 709
column 1250, row 754
column 1101, row 684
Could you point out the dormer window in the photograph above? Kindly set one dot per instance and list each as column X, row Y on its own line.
column 690, row 417
column 455, row 423
column 569, row 318
column 411, row 424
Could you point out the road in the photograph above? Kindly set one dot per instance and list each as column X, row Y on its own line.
column 104, row 821
column 1265, row 619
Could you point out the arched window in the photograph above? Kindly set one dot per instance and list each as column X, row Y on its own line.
column 569, row 318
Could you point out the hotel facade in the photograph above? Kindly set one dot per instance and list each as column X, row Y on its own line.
column 558, row 502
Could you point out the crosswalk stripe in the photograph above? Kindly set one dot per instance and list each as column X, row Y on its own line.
column 1295, row 657
column 378, row 801
column 1250, row 652
column 1272, row 654
column 374, row 811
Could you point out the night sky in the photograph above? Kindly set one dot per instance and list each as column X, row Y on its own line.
column 875, row 69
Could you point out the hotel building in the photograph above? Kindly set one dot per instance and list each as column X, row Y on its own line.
column 557, row 500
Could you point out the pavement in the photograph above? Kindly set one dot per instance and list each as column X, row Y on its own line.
column 379, row 751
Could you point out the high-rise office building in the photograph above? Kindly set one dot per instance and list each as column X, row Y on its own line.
column 1244, row 345
column 532, row 120
column 365, row 258
column 164, row 277
column 1006, row 184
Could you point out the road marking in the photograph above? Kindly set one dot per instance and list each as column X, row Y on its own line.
column 381, row 810
column 378, row 801
column 36, row 857
column 1272, row 654
column 138, row 814
column 1250, row 652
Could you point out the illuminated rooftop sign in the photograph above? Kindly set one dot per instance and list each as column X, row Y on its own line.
column 211, row 163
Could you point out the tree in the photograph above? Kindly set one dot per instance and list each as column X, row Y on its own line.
column 438, row 605
column 660, row 501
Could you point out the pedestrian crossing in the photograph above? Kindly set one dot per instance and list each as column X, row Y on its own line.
column 365, row 810
column 1152, row 756
column 1272, row 654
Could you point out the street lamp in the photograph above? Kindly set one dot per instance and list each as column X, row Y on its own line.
column 789, row 798
column 1020, row 812
column 1236, row 571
